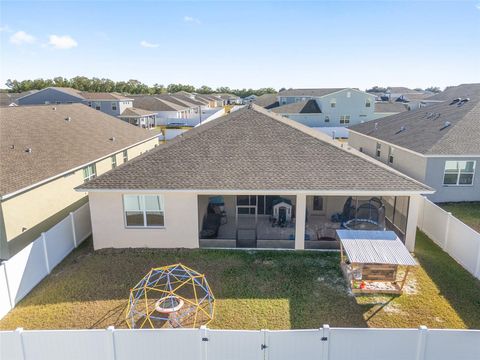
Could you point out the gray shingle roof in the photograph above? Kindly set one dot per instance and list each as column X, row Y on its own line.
column 301, row 107
column 309, row 92
column 425, row 131
column 57, row 145
column 154, row 103
column 253, row 149
column 389, row 107
column 267, row 101
column 136, row 112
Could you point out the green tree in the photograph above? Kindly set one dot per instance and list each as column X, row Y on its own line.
column 434, row 89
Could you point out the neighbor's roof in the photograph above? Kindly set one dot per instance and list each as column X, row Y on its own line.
column 375, row 247
column 57, row 145
column 8, row 98
column 188, row 100
column 136, row 112
column 454, row 92
column 301, row 107
column 439, row 129
column 155, row 103
column 67, row 90
column 103, row 96
column 267, row 101
column 389, row 107
column 309, row 92
column 253, row 149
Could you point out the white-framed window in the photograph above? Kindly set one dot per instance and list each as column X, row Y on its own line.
column 327, row 118
column 114, row 106
column 57, row 102
column 390, row 154
column 368, row 103
column 459, row 173
column 378, row 150
column 125, row 156
column 344, row 119
column 114, row 161
column 47, row 102
column 89, row 172
column 144, row 210
column 333, row 103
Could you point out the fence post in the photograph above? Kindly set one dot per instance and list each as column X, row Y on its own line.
column 447, row 231
column 422, row 342
column 45, row 252
column 9, row 293
column 111, row 334
column 477, row 266
column 204, row 339
column 19, row 332
column 325, row 341
column 74, row 236
column 265, row 345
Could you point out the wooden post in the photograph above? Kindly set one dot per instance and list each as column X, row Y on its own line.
column 404, row 278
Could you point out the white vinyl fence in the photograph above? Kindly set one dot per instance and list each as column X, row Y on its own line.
column 204, row 344
column 459, row 240
column 23, row 271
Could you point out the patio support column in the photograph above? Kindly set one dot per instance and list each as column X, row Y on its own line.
column 300, row 215
column 412, row 220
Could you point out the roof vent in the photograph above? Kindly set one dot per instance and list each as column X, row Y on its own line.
column 446, row 125
column 112, row 138
column 376, row 126
column 12, row 146
column 402, row 129
column 54, row 108
column 463, row 101
column 454, row 101
column 28, row 150
column 68, row 119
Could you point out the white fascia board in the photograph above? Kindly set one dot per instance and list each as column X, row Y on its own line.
column 266, row 192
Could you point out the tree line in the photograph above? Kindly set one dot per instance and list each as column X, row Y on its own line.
column 94, row 84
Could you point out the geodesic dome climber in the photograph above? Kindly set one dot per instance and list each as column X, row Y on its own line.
column 170, row 296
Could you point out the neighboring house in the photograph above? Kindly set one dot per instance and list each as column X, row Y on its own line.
column 110, row 103
column 306, row 112
column 165, row 111
column 338, row 106
column 267, row 101
column 48, row 150
column 230, row 99
column 438, row 145
column 249, row 99
column 217, row 185
column 10, row 99
column 213, row 102
column 139, row 117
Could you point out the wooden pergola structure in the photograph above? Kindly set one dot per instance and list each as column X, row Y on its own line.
column 371, row 260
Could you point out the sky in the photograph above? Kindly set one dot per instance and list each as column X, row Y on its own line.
column 244, row 44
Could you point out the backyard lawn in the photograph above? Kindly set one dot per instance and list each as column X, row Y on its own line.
column 254, row 290
column 469, row 213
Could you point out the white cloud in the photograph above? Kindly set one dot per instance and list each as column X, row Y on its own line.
column 21, row 37
column 146, row 44
column 478, row 6
column 190, row 19
column 62, row 42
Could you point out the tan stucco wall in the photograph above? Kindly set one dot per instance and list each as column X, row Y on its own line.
column 108, row 223
column 411, row 164
column 30, row 208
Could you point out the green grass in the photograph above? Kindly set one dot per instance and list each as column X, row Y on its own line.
column 254, row 290
column 469, row 213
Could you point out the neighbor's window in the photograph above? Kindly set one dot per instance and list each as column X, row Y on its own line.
column 318, row 203
column 114, row 161
column 144, row 210
column 125, row 156
column 89, row 172
column 458, row 173
column 97, row 105
column 390, row 154
column 114, row 106
column 378, row 149
column 368, row 103
column 333, row 103
column 327, row 118
column 344, row 119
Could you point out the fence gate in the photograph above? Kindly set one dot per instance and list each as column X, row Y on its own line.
column 296, row 344
column 235, row 345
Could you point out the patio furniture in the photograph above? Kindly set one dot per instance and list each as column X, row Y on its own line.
column 211, row 224
column 374, row 261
